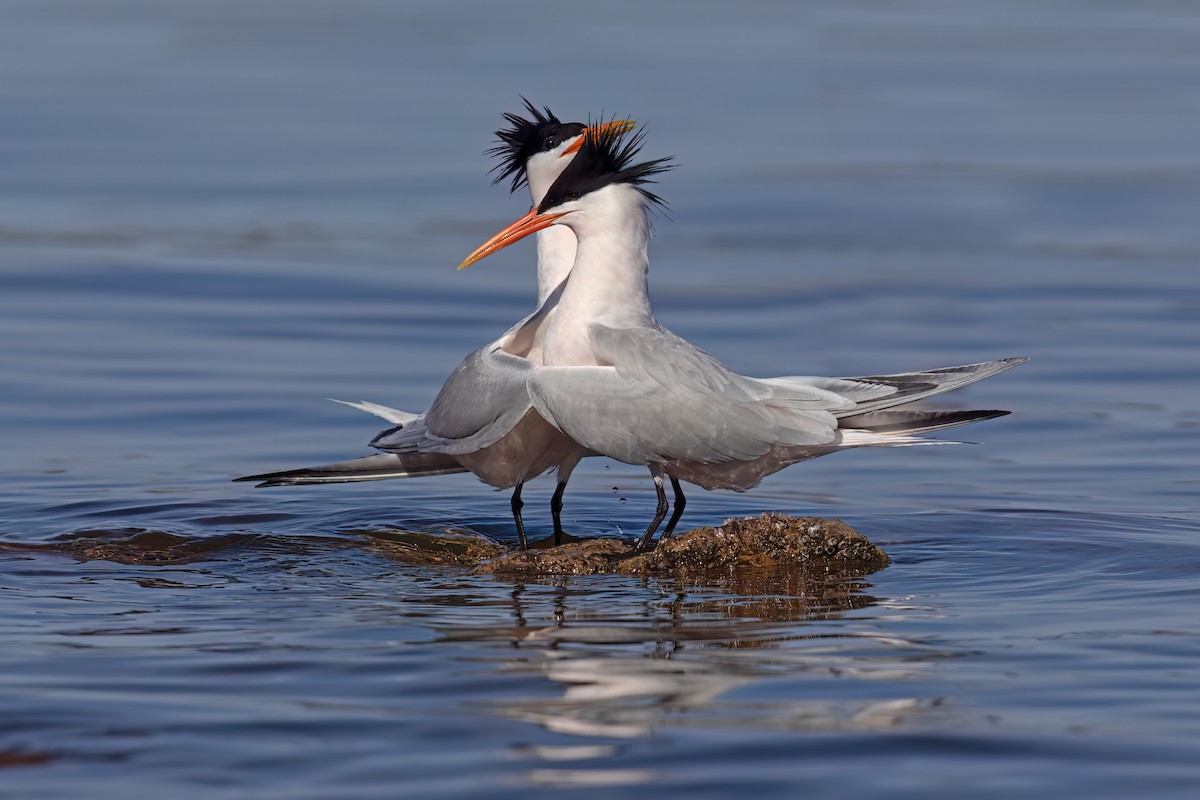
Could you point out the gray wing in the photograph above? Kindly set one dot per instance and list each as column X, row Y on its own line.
column 664, row 399
column 879, row 392
column 482, row 401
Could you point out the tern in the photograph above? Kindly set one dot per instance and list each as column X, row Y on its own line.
column 482, row 420
column 616, row 381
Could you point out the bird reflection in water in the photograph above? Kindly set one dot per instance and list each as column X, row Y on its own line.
column 677, row 655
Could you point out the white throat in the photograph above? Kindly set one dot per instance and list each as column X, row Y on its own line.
column 556, row 254
column 608, row 279
column 556, row 244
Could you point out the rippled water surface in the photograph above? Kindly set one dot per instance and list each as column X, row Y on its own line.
column 214, row 216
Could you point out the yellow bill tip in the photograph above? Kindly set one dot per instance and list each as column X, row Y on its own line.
column 616, row 127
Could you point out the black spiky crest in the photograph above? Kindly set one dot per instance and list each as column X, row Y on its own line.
column 604, row 158
column 525, row 139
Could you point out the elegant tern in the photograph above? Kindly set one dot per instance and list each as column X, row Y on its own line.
column 482, row 419
column 617, row 382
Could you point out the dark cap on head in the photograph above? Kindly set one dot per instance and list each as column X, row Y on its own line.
column 525, row 139
column 604, row 158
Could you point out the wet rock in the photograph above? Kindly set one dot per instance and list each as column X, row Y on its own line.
column 134, row 546
column 773, row 545
column 768, row 543
column 450, row 549
column 579, row 557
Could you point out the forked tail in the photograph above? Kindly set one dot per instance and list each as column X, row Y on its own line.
column 900, row 428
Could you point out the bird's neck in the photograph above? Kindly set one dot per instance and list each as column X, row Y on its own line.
column 556, row 254
column 607, row 282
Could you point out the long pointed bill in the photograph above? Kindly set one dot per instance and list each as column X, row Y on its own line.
column 530, row 223
column 616, row 126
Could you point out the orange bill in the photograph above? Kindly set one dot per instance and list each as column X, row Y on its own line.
column 530, row 223
column 616, row 126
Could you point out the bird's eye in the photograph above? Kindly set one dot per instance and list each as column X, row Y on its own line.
column 573, row 196
column 551, row 143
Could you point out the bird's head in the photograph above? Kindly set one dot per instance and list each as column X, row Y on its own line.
column 604, row 158
column 534, row 150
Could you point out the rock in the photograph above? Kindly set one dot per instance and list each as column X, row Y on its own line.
column 773, row 545
column 134, row 545
column 580, row 557
column 769, row 543
column 451, row 548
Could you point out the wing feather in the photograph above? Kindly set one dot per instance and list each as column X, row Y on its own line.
column 480, row 403
column 664, row 399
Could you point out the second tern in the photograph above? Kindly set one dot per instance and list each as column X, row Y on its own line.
column 617, row 382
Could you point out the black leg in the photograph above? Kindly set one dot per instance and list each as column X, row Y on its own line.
column 680, row 504
column 556, row 511
column 660, row 511
column 517, row 505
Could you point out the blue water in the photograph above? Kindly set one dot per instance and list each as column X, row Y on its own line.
column 213, row 216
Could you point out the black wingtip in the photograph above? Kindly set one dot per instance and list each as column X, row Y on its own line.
column 265, row 479
column 379, row 437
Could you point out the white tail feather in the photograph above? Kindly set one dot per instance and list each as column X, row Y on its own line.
column 853, row 437
column 393, row 415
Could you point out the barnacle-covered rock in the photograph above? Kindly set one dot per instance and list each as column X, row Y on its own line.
column 770, row 542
